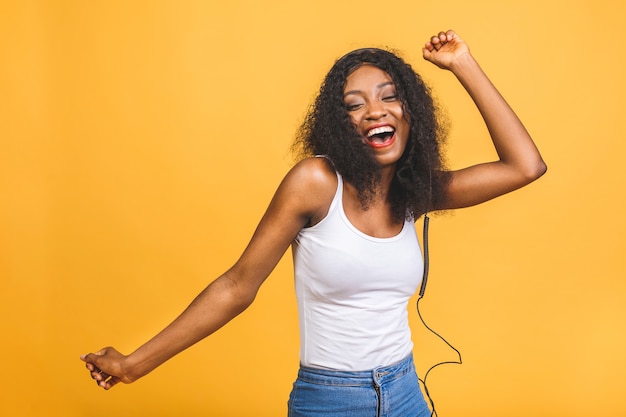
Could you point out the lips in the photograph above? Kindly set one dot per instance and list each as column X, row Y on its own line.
column 380, row 136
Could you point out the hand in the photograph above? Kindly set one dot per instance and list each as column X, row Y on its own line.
column 444, row 49
column 107, row 367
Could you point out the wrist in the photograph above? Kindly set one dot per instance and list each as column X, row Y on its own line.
column 463, row 64
column 134, row 368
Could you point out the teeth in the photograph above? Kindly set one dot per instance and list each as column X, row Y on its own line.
column 379, row 130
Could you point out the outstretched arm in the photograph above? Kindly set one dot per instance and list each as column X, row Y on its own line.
column 519, row 160
column 301, row 197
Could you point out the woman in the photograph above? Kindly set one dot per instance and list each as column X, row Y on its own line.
column 349, row 214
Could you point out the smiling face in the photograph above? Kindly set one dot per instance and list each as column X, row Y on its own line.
column 375, row 110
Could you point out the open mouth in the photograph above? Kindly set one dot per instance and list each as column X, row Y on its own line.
column 381, row 136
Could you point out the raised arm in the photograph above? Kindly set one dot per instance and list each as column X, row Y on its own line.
column 300, row 198
column 519, row 160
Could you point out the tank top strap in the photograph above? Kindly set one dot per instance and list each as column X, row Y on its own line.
column 339, row 178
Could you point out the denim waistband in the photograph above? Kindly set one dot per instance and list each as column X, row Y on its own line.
column 377, row 376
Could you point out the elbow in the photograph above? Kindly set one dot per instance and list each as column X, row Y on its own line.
column 239, row 299
column 245, row 300
column 240, row 296
column 534, row 171
column 539, row 168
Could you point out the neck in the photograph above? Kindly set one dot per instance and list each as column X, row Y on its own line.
column 383, row 187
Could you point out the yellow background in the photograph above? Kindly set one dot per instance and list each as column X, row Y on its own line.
column 140, row 142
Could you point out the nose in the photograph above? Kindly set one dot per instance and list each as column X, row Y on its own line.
column 375, row 110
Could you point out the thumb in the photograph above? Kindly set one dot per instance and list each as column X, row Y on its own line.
column 93, row 358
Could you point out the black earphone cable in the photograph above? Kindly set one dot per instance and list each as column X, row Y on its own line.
column 421, row 295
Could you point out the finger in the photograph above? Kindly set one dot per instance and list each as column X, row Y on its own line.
column 427, row 54
column 435, row 42
column 450, row 35
column 92, row 368
column 99, row 375
column 94, row 371
column 88, row 357
column 92, row 359
column 112, row 382
column 104, row 376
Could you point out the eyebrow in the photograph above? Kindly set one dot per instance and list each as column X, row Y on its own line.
column 379, row 86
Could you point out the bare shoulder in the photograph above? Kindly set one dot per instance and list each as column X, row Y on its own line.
column 312, row 183
column 315, row 172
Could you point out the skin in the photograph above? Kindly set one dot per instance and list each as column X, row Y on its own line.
column 304, row 195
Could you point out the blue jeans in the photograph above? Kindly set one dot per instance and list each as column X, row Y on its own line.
column 390, row 391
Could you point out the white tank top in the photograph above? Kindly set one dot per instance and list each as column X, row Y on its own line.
column 352, row 291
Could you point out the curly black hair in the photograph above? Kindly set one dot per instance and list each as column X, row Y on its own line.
column 420, row 178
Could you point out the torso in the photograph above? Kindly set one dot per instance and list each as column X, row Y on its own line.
column 353, row 287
